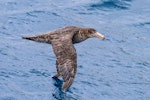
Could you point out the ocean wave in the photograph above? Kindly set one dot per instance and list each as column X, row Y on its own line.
column 110, row 5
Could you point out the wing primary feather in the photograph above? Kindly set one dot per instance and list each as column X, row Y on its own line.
column 67, row 71
column 67, row 84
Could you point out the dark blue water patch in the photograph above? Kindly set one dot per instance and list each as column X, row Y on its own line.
column 12, row 73
column 146, row 64
column 142, row 24
column 4, row 74
column 40, row 72
column 92, row 84
column 11, row 5
column 3, row 53
column 8, row 98
column 55, row 14
column 124, row 51
column 80, row 66
column 110, row 5
column 35, row 13
column 30, row 14
column 34, row 16
column 3, row 27
column 23, row 20
column 3, row 30
column 57, row 83
column 61, row 95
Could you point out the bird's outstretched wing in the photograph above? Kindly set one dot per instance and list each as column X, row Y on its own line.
column 66, row 63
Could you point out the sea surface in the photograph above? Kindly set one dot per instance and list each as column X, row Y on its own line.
column 115, row 69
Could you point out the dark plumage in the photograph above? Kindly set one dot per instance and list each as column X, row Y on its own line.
column 62, row 41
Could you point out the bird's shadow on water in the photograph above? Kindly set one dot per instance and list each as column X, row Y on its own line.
column 58, row 94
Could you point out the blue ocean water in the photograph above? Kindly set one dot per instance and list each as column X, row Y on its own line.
column 115, row 69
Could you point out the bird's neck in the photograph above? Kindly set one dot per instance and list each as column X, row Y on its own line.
column 79, row 37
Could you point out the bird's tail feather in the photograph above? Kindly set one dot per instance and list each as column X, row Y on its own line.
column 39, row 38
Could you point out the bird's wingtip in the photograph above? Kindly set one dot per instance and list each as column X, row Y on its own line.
column 23, row 37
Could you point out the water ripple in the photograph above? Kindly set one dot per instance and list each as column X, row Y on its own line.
column 8, row 98
column 35, row 13
column 146, row 64
column 39, row 73
column 60, row 95
column 111, row 4
column 142, row 24
column 12, row 73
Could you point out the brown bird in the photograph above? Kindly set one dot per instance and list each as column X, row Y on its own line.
column 62, row 41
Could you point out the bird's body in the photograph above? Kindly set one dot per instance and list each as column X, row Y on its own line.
column 62, row 41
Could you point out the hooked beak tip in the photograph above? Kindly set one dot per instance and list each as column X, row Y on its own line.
column 103, row 38
column 100, row 36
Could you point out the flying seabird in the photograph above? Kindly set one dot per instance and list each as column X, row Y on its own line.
column 62, row 41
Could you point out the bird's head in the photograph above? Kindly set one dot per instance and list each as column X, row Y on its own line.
column 91, row 32
column 85, row 33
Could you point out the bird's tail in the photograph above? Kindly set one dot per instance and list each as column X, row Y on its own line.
column 45, row 38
